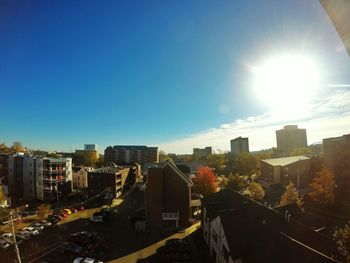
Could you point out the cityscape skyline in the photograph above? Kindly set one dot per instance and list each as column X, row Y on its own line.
column 194, row 84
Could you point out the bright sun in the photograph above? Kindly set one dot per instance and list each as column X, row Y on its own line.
column 287, row 83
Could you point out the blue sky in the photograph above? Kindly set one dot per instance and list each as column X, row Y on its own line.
column 166, row 73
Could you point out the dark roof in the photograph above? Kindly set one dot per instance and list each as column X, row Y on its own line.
column 225, row 199
column 255, row 232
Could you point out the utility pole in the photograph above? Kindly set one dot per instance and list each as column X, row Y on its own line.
column 14, row 236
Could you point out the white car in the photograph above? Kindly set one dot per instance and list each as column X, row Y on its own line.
column 45, row 223
column 31, row 230
column 4, row 244
column 86, row 260
column 37, row 225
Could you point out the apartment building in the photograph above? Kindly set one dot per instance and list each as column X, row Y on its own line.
column 205, row 152
column 26, row 177
column 239, row 145
column 53, row 178
column 168, row 197
column 112, row 178
column 290, row 138
column 128, row 154
column 80, row 177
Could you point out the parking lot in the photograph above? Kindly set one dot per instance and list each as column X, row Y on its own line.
column 115, row 240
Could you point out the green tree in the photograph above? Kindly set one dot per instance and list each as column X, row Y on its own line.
column 222, row 181
column 300, row 151
column 342, row 237
column 4, row 212
column 323, row 187
column 205, row 182
column 235, row 182
column 291, row 196
column 85, row 158
column 217, row 161
column 247, row 163
column 255, row 191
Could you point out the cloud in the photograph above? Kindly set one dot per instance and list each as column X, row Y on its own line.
column 328, row 116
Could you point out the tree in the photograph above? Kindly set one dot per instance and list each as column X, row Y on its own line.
column 217, row 161
column 300, row 151
column 163, row 156
column 247, row 163
column 85, row 158
column 4, row 148
column 43, row 210
column 222, row 181
column 205, row 182
column 255, row 191
column 323, row 187
column 291, row 196
column 235, row 182
column 342, row 237
column 17, row 147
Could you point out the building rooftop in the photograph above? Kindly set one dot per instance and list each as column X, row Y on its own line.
column 285, row 160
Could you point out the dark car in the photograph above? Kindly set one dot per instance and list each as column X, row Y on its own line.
column 71, row 248
column 82, row 238
column 53, row 219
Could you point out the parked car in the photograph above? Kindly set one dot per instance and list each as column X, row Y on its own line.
column 71, row 247
column 68, row 211
column 53, row 219
column 31, row 230
column 97, row 219
column 86, row 260
column 37, row 226
column 4, row 244
column 81, row 238
column 23, row 234
column 45, row 223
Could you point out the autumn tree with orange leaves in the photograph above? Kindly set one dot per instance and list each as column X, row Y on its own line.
column 323, row 187
column 205, row 182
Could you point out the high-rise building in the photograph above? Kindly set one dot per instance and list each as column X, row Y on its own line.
column 203, row 152
column 91, row 147
column 239, row 145
column 120, row 154
column 290, row 137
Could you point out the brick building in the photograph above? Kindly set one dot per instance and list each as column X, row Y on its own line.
column 168, row 197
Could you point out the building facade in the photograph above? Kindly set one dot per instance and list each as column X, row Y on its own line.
column 237, row 229
column 290, row 138
column 205, row 152
column 110, row 179
column 284, row 170
column 80, row 177
column 239, row 145
column 53, row 177
column 121, row 155
column 91, row 147
column 168, row 197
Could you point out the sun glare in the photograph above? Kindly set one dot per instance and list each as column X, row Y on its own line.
column 287, row 83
